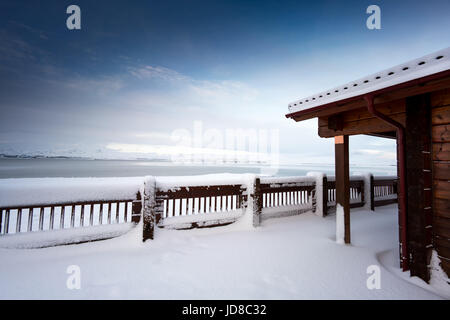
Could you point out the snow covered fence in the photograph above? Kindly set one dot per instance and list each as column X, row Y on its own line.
column 200, row 201
column 357, row 192
column 102, row 205
column 367, row 190
column 282, row 197
column 384, row 190
column 215, row 201
column 70, row 210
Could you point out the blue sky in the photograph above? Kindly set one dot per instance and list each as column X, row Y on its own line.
column 139, row 70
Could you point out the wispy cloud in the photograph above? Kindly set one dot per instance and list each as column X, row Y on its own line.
column 157, row 72
column 378, row 153
column 37, row 32
column 212, row 91
column 169, row 150
column 101, row 85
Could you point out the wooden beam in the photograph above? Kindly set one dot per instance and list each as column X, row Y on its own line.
column 387, row 135
column 419, row 180
column 361, row 121
column 335, row 122
column 388, row 108
column 342, row 190
column 365, row 126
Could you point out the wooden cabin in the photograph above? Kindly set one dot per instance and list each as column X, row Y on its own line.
column 409, row 103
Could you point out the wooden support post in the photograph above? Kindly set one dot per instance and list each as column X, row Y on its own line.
column 419, row 181
column 257, row 203
column 148, row 210
column 342, row 190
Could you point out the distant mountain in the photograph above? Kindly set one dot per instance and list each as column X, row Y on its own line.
column 21, row 152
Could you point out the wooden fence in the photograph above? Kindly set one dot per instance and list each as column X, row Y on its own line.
column 278, row 197
column 197, row 206
column 356, row 193
column 382, row 191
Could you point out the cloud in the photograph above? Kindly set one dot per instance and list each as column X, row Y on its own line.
column 378, row 153
column 199, row 91
column 170, row 150
column 102, row 85
column 14, row 49
column 153, row 135
column 157, row 72
column 35, row 31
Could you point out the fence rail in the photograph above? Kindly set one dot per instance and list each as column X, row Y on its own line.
column 356, row 194
column 384, row 191
column 26, row 220
column 283, row 197
column 196, row 206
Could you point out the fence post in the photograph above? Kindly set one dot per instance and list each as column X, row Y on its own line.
column 372, row 194
column 325, row 195
column 367, row 191
column 321, row 196
column 148, row 209
column 257, row 203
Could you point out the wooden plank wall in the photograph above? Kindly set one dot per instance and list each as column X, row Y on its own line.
column 419, row 182
column 440, row 118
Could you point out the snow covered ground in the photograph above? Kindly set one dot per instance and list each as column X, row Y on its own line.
column 286, row 258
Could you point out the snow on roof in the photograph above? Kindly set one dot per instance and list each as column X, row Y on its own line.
column 418, row 68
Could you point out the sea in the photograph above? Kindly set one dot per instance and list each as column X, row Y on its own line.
column 72, row 167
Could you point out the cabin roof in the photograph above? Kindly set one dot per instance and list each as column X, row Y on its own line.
column 422, row 67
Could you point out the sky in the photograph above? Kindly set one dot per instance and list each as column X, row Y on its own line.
column 141, row 76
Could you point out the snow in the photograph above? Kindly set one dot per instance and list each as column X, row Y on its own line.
column 385, row 177
column 285, row 211
column 340, row 224
column 387, row 197
column 367, row 190
column 439, row 282
column 28, row 192
column 288, row 258
column 209, row 218
column 319, row 191
column 169, row 182
column 30, row 240
column 389, row 77
column 245, row 222
column 287, row 181
column 438, row 278
column 148, row 206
